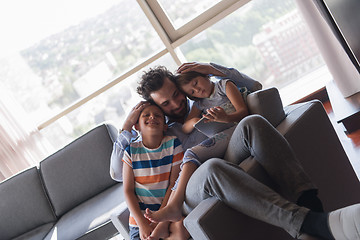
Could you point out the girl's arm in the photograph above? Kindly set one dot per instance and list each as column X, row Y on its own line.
column 133, row 204
column 218, row 114
column 191, row 119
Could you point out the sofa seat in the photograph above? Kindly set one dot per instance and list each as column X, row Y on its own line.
column 37, row 233
column 24, row 207
column 69, row 195
column 90, row 217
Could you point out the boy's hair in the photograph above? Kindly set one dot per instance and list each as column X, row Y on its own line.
column 185, row 78
column 153, row 103
column 153, row 80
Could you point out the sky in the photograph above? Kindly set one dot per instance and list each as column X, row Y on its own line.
column 24, row 22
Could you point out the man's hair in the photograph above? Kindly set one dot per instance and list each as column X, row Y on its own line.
column 153, row 80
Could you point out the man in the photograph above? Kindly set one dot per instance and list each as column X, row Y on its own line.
column 253, row 136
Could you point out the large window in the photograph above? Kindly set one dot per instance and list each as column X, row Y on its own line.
column 181, row 12
column 71, row 65
column 268, row 41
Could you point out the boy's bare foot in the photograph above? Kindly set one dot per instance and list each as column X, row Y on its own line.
column 168, row 213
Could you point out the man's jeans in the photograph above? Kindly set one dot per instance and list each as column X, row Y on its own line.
column 225, row 180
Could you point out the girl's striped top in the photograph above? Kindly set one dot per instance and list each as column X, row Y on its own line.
column 152, row 169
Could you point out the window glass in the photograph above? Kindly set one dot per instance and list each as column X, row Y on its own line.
column 182, row 11
column 269, row 41
column 111, row 106
column 53, row 54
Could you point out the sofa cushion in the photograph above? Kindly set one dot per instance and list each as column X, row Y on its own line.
column 24, row 206
column 90, row 217
column 37, row 233
column 267, row 103
column 79, row 171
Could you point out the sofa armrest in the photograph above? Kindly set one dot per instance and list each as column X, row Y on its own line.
column 212, row 219
column 267, row 103
column 312, row 136
column 120, row 219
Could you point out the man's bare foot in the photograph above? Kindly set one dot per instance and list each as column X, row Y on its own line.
column 160, row 231
column 168, row 213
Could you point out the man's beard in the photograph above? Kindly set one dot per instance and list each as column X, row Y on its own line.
column 179, row 115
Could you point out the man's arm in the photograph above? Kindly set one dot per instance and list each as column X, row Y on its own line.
column 123, row 140
column 116, row 165
column 204, row 68
column 240, row 79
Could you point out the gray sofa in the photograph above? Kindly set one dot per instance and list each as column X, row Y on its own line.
column 70, row 195
column 310, row 133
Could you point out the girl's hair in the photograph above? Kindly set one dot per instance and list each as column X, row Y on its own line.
column 185, row 78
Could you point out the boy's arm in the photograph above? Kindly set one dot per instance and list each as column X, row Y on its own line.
column 191, row 119
column 174, row 174
column 133, row 204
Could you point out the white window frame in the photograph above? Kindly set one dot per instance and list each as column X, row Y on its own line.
column 171, row 37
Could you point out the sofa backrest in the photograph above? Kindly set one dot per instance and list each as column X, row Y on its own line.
column 80, row 170
column 24, row 205
column 267, row 103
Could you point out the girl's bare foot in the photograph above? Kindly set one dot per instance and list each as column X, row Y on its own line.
column 168, row 213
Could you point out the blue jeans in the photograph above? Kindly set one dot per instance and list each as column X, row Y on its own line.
column 134, row 233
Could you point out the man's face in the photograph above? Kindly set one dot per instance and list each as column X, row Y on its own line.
column 171, row 100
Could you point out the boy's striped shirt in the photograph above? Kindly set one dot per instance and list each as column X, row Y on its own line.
column 152, row 169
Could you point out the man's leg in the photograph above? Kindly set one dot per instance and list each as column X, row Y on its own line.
column 255, row 136
column 230, row 184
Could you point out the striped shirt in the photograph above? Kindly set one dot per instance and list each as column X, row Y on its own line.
column 152, row 169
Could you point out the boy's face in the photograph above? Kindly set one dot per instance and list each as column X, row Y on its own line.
column 199, row 87
column 151, row 120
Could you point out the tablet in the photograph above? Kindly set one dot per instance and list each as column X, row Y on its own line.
column 211, row 128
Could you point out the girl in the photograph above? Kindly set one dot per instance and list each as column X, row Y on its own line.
column 217, row 102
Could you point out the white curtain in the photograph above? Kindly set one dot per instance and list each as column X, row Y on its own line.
column 21, row 145
column 345, row 75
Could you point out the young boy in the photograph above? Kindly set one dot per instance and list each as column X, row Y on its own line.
column 151, row 167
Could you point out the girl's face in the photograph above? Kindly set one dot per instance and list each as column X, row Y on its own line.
column 199, row 87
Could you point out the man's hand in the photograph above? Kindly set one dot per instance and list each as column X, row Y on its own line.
column 134, row 114
column 204, row 68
